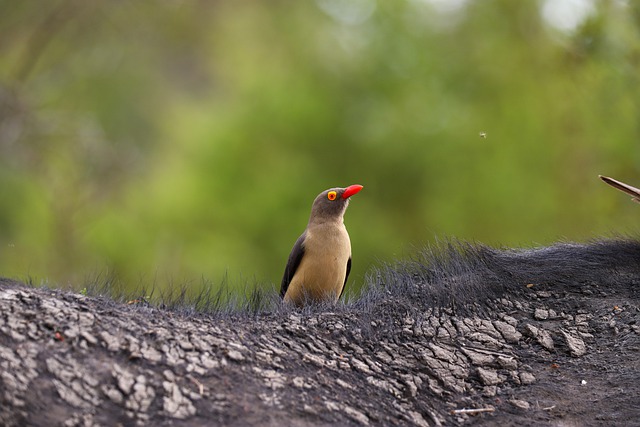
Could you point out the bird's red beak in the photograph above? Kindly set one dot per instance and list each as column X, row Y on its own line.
column 351, row 190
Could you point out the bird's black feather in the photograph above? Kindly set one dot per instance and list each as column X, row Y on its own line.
column 292, row 264
column 346, row 277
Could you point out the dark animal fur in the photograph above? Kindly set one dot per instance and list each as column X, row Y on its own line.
column 455, row 274
column 452, row 274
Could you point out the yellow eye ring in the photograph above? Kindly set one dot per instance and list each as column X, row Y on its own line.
column 332, row 195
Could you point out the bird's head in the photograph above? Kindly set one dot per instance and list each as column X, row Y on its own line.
column 331, row 203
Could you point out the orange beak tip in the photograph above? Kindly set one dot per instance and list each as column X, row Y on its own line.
column 351, row 190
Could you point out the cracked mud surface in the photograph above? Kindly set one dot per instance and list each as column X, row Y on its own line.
column 532, row 351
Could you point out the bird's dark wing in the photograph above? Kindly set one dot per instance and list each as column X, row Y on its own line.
column 346, row 277
column 632, row 191
column 292, row 264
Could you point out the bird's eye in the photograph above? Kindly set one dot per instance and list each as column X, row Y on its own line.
column 332, row 195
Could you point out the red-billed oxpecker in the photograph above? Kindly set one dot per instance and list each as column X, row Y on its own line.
column 626, row 188
column 320, row 261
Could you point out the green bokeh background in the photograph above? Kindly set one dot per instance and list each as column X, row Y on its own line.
column 168, row 141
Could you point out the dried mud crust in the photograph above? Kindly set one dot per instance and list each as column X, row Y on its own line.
column 538, row 354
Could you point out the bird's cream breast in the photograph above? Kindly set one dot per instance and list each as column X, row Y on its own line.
column 322, row 271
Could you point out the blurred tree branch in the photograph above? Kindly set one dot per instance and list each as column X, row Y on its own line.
column 51, row 25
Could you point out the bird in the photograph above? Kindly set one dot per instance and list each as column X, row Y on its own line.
column 320, row 262
column 626, row 188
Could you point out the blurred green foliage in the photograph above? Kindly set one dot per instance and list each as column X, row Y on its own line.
column 174, row 140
